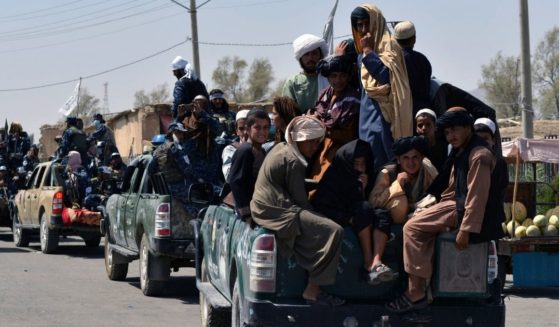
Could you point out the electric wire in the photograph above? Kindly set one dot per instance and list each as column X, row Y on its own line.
column 95, row 74
column 39, row 10
column 62, row 31
column 60, row 12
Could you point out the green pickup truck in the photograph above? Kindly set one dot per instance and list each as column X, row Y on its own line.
column 243, row 281
column 143, row 222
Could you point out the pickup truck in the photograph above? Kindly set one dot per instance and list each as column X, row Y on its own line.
column 39, row 208
column 144, row 222
column 244, row 281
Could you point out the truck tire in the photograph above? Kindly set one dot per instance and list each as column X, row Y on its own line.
column 92, row 241
column 49, row 237
column 21, row 235
column 236, row 306
column 115, row 271
column 209, row 316
column 149, row 287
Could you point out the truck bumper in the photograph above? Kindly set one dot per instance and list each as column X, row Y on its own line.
column 57, row 223
column 270, row 314
column 181, row 249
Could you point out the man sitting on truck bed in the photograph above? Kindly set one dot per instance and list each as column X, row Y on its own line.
column 465, row 205
column 280, row 203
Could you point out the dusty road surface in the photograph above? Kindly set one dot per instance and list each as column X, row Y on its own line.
column 70, row 288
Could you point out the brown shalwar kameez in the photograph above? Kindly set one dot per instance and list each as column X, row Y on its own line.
column 280, row 204
column 421, row 231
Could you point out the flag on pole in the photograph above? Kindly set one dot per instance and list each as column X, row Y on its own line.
column 72, row 101
column 328, row 33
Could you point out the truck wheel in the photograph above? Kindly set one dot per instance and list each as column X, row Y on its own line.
column 115, row 271
column 149, row 287
column 49, row 237
column 209, row 316
column 236, row 306
column 21, row 236
column 92, row 241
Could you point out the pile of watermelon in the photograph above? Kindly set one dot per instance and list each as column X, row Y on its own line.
column 540, row 225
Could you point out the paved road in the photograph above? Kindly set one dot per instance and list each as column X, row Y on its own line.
column 70, row 288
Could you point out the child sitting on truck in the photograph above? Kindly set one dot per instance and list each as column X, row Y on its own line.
column 247, row 160
column 398, row 186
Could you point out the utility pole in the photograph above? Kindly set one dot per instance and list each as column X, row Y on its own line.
column 105, row 109
column 526, row 92
column 194, row 25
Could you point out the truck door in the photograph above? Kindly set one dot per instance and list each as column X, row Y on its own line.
column 118, row 230
column 225, row 221
column 25, row 197
column 131, row 206
column 33, row 197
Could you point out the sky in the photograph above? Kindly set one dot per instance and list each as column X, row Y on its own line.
column 45, row 42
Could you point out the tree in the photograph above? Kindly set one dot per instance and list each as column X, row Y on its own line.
column 230, row 74
column 546, row 73
column 501, row 80
column 159, row 94
column 260, row 76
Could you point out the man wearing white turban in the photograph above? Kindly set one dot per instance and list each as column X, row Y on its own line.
column 304, row 86
column 280, row 203
column 187, row 86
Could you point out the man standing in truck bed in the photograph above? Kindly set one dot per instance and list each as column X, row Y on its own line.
column 465, row 204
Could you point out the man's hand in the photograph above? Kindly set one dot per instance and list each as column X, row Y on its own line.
column 402, row 178
column 462, row 240
column 366, row 43
column 341, row 48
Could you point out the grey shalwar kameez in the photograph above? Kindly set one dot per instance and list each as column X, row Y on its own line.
column 280, row 204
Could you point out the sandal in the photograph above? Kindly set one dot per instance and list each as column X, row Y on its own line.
column 404, row 304
column 381, row 273
column 326, row 299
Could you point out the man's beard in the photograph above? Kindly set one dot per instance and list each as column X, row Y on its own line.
column 308, row 70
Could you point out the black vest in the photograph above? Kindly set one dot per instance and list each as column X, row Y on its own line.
column 494, row 212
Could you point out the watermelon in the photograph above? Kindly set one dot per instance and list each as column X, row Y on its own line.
column 550, row 230
column 540, row 221
column 519, row 211
column 527, row 222
column 520, row 231
column 554, row 220
column 533, row 231
column 508, row 213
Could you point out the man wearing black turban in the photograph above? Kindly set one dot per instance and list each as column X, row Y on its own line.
column 465, row 205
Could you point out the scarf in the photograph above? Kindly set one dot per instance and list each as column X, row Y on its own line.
column 393, row 98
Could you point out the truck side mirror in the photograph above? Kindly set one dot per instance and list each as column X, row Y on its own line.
column 201, row 193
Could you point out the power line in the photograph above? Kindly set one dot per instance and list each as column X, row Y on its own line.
column 156, row 20
column 26, row 36
column 256, row 44
column 252, row 4
column 40, row 10
column 96, row 74
column 58, row 12
column 65, row 21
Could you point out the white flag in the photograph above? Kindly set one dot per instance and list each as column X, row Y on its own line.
column 328, row 33
column 72, row 101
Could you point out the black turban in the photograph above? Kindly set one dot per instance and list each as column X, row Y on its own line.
column 331, row 64
column 358, row 13
column 408, row 143
column 454, row 118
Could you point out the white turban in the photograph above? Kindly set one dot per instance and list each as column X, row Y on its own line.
column 178, row 63
column 426, row 111
column 308, row 42
column 303, row 128
column 487, row 122
column 242, row 114
column 189, row 72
